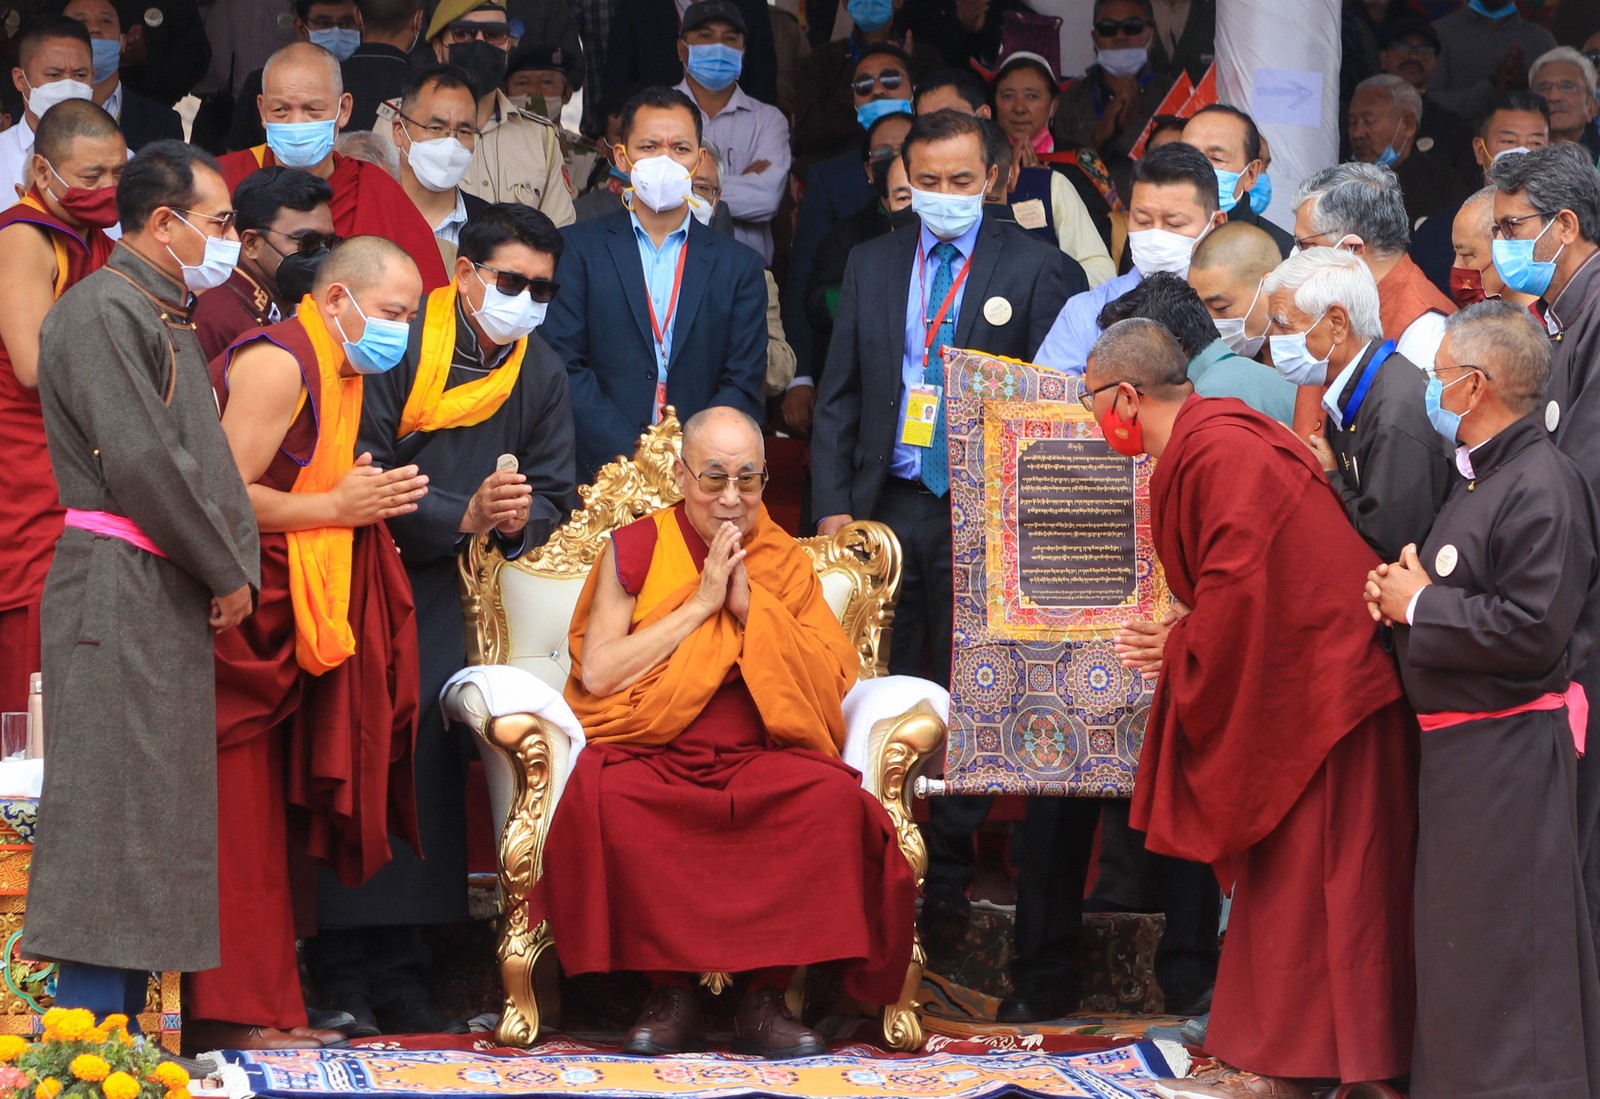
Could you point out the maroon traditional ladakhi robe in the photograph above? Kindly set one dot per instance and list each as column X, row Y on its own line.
column 719, row 851
column 1280, row 749
column 31, row 514
column 320, row 763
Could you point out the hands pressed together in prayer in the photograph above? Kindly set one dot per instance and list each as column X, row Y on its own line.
column 1139, row 644
column 725, row 582
column 501, row 503
column 1390, row 587
column 367, row 494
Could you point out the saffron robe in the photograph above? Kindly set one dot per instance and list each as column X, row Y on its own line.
column 710, row 824
column 366, row 201
column 1508, row 1001
column 30, row 511
column 1279, row 748
column 322, row 762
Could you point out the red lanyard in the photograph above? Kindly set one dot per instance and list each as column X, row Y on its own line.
column 931, row 328
column 660, row 327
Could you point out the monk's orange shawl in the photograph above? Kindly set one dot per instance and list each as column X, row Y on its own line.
column 792, row 653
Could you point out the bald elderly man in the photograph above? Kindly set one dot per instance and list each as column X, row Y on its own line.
column 330, row 655
column 303, row 107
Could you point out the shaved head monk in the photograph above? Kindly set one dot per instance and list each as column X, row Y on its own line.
column 51, row 239
column 1227, row 271
column 303, row 107
column 329, row 658
column 710, row 825
column 1313, row 832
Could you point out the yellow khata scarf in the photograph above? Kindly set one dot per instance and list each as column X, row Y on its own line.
column 429, row 407
column 319, row 559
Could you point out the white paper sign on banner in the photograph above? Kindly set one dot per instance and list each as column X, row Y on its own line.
column 1288, row 97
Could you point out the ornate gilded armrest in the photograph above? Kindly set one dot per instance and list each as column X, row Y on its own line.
column 894, row 729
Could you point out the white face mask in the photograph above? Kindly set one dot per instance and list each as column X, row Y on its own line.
column 45, row 96
column 947, row 216
column 506, row 319
column 215, row 267
column 439, row 164
column 661, row 183
column 1232, row 330
column 1162, row 250
column 702, row 212
column 1295, row 361
column 1123, row 62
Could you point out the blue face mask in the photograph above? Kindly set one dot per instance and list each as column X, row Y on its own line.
column 1445, row 422
column 1227, row 186
column 301, row 144
column 337, row 40
column 107, row 57
column 1261, row 194
column 947, row 216
column 714, row 65
column 382, row 343
column 873, row 109
column 1390, row 155
column 871, row 16
column 1504, row 11
column 1513, row 259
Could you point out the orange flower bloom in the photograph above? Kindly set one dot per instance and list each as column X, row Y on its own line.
column 170, row 1076
column 89, row 1068
column 48, row 1088
column 11, row 1047
column 119, row 1085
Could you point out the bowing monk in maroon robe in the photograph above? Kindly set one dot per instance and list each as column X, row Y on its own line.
column 317, row 691
column 1280, row 748
column 710, row 825
column 301, row 84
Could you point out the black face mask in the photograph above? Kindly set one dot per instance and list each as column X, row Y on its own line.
column 904, row 219
column 485, row 65
column 296, row 274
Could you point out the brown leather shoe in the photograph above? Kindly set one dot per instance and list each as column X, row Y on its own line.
column 1234, row 1085
column 764, row 1026
column 670, row 1023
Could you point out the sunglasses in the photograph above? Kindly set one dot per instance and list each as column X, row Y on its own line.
column 1110, row 28
column 713, row 482
column 496, row 34
column 307, row 242
column 1416, row 49
column 511, row 284
column 889, row 80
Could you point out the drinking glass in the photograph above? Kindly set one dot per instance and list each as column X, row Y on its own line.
column 14, row 730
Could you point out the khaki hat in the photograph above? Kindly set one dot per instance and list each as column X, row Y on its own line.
column 451, row 10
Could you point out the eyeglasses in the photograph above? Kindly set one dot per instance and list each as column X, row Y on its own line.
column 464, row 133
column 328, row 23
column 496, row 34
column 511, row 284
column 1593, row 56
column 889, row 80
column 1506, row 228
column 706, row 191
column 714, row 481
column 307, row 242
column 223, row 220
column 1088, row 395
column 881, row 153
column 1110, row 28
column 1432, row 372
column 1565, row 87
column 1420, row 49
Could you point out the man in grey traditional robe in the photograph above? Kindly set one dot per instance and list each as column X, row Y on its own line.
column 160, row 551
column 1492, row 618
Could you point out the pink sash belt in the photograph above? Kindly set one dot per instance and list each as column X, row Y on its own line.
column 1575, row 700
column 112, row 526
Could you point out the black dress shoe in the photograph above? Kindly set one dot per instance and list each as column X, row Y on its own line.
column 670, row 1023
column 359, row 1021
column 944, row 901
column 1036, row 1007
column 415, row 1015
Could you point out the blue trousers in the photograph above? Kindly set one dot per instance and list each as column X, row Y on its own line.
column 102, row 990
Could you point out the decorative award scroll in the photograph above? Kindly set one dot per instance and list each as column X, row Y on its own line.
column 1051, row 538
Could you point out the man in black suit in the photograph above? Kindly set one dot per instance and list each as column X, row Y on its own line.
column 655, row 308
column 947, row 281
column 644, row 47
column 390, row 30
column 142, row 120
column 1232, row 143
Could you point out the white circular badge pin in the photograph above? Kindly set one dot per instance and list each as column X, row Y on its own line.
column 153, row 17
column 1552, row 416
column 1445, row 563
column 997, row 310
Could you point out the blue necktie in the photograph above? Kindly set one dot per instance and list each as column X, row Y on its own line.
column 936, row 459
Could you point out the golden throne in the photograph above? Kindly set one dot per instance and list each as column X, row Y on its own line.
column 517, row 616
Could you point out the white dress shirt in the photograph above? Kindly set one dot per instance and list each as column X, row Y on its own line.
column 745, row 131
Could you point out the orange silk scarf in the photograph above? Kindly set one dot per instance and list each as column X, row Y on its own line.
column 792, row 653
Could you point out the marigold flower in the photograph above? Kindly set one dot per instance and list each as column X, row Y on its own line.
column 48, row 1088
column 170, row 1076
column 11, row 1047
column 114, row 1022
column 119, row 1085
column 89, row 1068
column 74, row 1025
column 178, row 1093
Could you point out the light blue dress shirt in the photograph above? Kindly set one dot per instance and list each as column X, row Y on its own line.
column 660, row 267
column 1066, row 348
column 906, row 461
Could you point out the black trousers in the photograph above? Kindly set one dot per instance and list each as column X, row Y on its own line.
column 1051, row 852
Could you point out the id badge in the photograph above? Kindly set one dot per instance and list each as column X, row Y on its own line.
column 661, row 402
column 922, row 413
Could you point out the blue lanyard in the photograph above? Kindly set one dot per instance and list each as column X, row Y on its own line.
column 1364, row 383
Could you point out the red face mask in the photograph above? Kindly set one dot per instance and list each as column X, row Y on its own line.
column 1125, row 438
column 1466, row 286
column 95, row 208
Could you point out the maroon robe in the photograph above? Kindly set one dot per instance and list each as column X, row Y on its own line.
column 1280, row 748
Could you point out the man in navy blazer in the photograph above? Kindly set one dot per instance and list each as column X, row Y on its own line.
column 141, row 119
column 655, row 308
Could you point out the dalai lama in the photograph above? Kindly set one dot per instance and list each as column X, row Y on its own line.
column 303, row 106
column 710, row 825
column 1280, row 748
